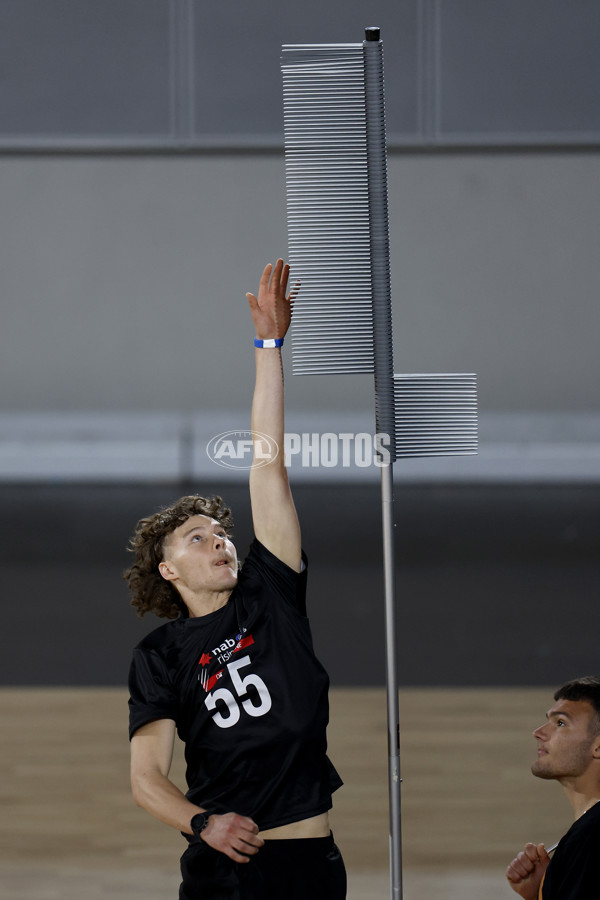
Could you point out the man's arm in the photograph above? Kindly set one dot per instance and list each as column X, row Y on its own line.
column 526, row 871
column 273, row 512
column 151, row 756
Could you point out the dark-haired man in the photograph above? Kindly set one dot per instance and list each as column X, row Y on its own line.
column 568, row 751
column 235, row 674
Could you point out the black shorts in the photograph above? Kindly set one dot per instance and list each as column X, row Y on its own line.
column 298, row 869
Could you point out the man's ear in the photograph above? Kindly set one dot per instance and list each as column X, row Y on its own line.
column 166, row 571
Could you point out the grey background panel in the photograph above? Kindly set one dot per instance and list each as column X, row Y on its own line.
column 172, row 74
column 123, row 280
column 237, row 64
column 519, row 68
column 83, row 67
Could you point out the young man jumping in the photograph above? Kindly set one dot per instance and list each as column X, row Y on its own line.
column 235, row 675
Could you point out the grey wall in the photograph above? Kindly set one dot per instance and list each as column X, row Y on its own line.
column 122, row 274
column 193, row 72
column 123, row 279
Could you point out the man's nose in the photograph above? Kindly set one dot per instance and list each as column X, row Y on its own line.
column 540, row 732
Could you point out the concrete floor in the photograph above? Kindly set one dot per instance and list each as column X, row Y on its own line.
column 71, row 831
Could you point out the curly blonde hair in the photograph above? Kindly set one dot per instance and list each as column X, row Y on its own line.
column 149, row 590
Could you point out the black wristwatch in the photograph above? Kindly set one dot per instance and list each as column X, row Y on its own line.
column 199, row 822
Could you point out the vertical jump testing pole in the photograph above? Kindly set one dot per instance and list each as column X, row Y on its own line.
column 338, row 236
column 384, row 412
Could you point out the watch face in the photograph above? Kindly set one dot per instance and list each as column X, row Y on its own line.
column 198, row 823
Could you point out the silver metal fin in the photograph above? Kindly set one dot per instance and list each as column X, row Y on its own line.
column 435, row 415
column 328, row 208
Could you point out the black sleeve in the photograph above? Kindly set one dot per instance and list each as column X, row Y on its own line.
column 151, row 695
column 262, row 566
column 573, row 873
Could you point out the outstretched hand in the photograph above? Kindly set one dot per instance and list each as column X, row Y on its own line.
column 527, row 869
column 272, row 309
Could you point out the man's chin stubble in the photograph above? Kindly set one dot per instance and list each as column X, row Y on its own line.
column 539, row 772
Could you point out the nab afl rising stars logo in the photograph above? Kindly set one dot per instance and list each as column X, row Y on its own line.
column 226, row 706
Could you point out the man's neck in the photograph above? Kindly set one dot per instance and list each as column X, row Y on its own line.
column 581, row 799
column 204, row 604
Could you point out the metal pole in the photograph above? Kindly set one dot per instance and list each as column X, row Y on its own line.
column 385, row 409
column 392, row 684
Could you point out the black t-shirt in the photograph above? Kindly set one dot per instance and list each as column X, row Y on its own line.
column 574, row 870
column 248, row 696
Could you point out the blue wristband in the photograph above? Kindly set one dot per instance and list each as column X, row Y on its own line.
column 269, row 342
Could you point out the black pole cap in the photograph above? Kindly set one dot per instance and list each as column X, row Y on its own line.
column 372, row 34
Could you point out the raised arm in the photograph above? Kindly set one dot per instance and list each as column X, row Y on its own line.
column 273, row 512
